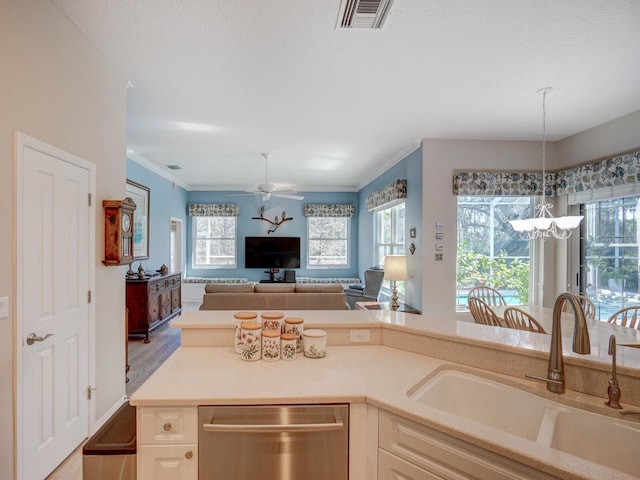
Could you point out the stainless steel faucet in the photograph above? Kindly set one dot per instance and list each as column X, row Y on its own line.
column 581, row 343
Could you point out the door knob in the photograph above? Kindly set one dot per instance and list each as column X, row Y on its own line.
column 33, row 338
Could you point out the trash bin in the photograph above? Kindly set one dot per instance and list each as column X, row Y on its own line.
column 110, row 454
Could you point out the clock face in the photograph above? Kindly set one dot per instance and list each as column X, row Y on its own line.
column 126, row 222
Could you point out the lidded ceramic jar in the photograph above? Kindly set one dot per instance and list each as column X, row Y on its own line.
column 270, row 345
column 315, row 343
column 272, row 321
column 288, row 346
column 295, row 325
column 239, row 319
column 250, row 341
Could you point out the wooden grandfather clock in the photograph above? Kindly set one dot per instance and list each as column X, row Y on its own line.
column 118, row 231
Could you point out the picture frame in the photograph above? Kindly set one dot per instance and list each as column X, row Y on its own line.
column 140, row 195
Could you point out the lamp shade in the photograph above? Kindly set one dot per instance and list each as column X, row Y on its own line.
column 395, row 267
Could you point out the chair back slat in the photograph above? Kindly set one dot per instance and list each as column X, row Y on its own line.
column 521, row 320
column 626, row 317
column 483, row 314
column 488, row 295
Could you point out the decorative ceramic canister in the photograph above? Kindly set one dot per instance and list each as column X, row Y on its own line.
column 295, row 325
column 251, row 341
column 288, row 346
column 315, row 343
column 272, row 321
column 240, row 318
column 270, row 345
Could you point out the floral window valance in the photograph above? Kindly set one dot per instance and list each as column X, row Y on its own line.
column 214, row 210
column 388, row 195
column 499, row 184
column 329, row 210
column 620, row 170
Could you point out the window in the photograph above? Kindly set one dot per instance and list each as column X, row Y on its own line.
column 389, row 232
column 214, row 242
column 609, row 254
column 328, row 242
column 490, row 252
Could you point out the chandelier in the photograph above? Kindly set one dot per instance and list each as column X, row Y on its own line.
column 544, row 225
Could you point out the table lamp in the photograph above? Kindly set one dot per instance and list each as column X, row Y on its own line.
column 395, row 268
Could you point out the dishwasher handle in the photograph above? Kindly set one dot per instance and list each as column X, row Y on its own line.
column 273, row 428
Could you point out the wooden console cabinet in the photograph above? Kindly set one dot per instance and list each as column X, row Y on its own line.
column 152, row 301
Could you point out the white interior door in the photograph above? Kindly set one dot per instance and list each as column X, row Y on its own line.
column 54, row 277
column 176, row 246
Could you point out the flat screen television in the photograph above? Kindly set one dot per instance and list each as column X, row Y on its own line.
column 272, row 252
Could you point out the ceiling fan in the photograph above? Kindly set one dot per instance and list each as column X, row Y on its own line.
column 267, row 190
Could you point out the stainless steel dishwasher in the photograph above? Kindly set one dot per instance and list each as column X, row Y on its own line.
column 274, row 442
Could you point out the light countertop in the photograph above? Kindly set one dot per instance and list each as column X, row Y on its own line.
column 377, row 375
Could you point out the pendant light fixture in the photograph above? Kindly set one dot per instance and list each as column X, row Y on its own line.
column 543, row 224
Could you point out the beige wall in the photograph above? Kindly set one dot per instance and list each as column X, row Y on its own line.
column 442, row 157
column 57, row 88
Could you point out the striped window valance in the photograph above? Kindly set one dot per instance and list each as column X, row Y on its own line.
column 329, row 210
column 214, row 210
column 615, row 171
column 387, row 196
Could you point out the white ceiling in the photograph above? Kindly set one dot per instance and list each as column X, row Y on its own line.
column 336, row 107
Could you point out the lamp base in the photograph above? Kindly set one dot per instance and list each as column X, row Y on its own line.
column 394, row 297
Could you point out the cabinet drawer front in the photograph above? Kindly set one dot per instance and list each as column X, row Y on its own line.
column 447, row 456
column 162, row 426
column 391, row 467
column 168, row 462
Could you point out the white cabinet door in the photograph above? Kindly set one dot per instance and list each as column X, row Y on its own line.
column 168, row 462
column 391, row 467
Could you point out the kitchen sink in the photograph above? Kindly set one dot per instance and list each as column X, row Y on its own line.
column 484, row 401
column 597, row 438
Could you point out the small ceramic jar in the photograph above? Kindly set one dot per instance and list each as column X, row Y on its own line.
column 288, row 346
column 315, row 343
column 272, row 321
column 251, row 341
column 270, row 345
column 239, row 318
column 295, row 325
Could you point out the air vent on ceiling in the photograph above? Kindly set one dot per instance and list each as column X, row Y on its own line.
column 363, row 13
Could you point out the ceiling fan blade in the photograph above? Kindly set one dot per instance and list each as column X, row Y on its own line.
column 286, row 195
column 244, row 194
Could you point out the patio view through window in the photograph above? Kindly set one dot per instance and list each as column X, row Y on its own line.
column 489, row 251
column 214, row 242
column 609, row 252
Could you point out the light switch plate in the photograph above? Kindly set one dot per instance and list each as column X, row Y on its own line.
column 4, row 307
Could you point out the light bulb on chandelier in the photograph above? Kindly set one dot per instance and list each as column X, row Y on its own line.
column 543, row 224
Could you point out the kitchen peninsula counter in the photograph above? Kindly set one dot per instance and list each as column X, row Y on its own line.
column 378, row 375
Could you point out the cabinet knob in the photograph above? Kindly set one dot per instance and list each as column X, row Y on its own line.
column 188, row 455
column 166, row 427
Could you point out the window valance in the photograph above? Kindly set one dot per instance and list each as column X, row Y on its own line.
column 620, row 170
column 214, row 210
column 387, row 196
column 329, row 210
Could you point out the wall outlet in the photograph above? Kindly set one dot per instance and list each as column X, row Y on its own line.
column 360, row 335
column 4, row 307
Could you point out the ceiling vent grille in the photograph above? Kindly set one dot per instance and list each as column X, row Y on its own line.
column 363, row 13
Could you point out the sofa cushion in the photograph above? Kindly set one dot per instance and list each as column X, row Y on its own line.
column 314, row 288
column 275, row 287
column 229, row 288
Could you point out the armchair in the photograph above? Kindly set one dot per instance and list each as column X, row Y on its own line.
column 368, row 292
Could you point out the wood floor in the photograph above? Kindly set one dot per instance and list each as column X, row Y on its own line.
column 144, row 359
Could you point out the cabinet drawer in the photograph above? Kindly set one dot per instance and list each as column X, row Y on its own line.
column 171, row 425
column 391, row 467
column 168, row 462
column 446, row 456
